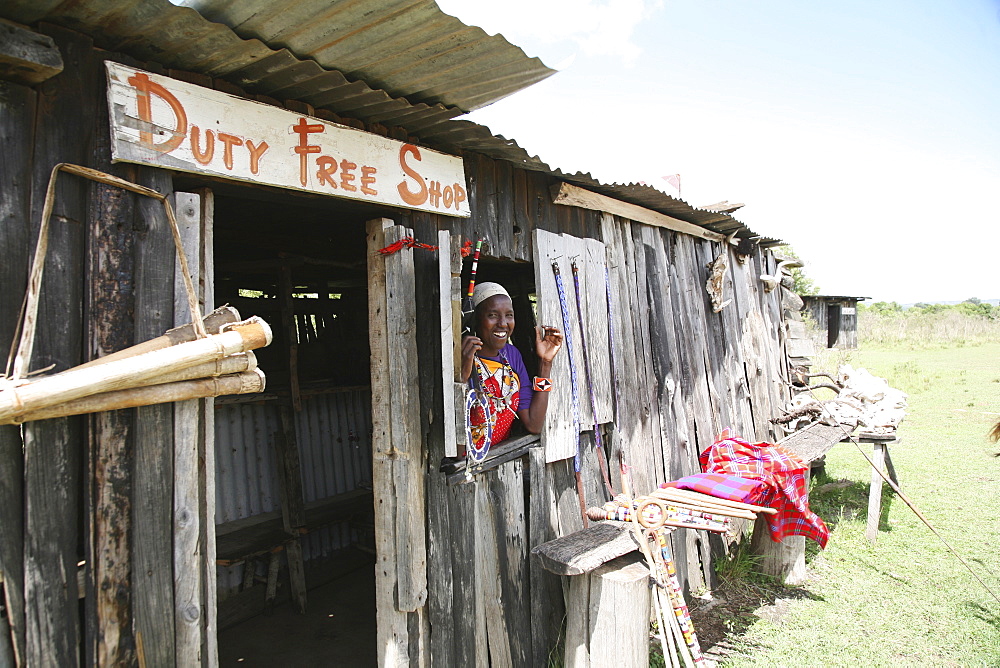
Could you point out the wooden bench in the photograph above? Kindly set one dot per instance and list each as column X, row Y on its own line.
column 264, row 535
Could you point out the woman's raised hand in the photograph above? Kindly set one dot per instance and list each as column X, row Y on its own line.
column 470, row 346
column 548, row 341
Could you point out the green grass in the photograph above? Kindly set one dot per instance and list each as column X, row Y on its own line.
column 905, row 601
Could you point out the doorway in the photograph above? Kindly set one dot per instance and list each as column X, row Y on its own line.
column 294, row 513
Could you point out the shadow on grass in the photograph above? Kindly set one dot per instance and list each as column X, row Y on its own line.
column 741, row 598
column 838, row 500
column 984, row 614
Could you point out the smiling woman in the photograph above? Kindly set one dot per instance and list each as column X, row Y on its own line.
column 495, row 369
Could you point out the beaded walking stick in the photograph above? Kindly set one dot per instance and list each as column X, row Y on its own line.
column 676, row 594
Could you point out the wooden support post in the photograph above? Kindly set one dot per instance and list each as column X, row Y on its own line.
column 391, row 634
column 449, row 276
column 111, row 306
column 53, row 448
column 291, row 336
column 405, row 448
column 187, row 428
column 607, row 615
column 785, row 561
column 152, row 472
column 400, row 567
column 272, row 581
column 875, row 492
column 292, row 504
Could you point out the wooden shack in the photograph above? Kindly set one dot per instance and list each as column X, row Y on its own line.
column 133, row 537
column 837, row 316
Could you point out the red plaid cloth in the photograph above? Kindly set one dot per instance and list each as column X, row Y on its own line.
column 784, row 485
column 722, row 486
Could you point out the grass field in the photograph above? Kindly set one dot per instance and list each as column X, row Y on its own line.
column 905, row 601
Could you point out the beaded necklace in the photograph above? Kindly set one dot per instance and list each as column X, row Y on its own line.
column 482, row 395
column 505, row 381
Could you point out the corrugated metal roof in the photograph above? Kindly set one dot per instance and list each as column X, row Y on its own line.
column 409, row 48
column 451, row 68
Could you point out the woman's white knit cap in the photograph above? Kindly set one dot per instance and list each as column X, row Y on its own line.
column 484, row 291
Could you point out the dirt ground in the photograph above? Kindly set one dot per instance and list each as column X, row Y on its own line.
column 338, row 629
column 731, row 608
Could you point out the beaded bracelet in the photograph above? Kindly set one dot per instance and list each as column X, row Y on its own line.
column 539, row 384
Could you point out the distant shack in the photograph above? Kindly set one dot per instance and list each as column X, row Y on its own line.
column 836, row 315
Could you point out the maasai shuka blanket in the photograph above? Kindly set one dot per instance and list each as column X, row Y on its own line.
column 723, row 486
column 785, row 483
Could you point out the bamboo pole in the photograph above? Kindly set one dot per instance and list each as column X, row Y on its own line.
column 213, row 323
column 34, row 395
column 247, row 382
column 227, row 366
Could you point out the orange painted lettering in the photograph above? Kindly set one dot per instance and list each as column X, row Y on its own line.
column 305, row 148
column 325, row 169
column 448, row 197
column 460, row 196
column 229, row 141
column 412, row 198
column 368, row 179
column 255, row 154
column 204, row 157
column 435, row 192
column 347, row 175
column 144, row 88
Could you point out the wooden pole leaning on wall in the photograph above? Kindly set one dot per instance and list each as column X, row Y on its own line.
column 35, row 395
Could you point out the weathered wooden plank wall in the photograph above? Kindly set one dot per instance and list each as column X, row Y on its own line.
column 680, row 373
column 17, row 113
column 97, row 489
column 53, row 449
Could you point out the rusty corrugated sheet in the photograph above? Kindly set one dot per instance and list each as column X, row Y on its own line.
column 366, row 52
column 409, row 48
column 334, row 438
column 450, row 68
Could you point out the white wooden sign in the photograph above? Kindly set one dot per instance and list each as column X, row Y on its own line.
column 172, row 124
column 848, row 310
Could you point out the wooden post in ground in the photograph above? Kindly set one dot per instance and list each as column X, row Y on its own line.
column 607, row 615
column 292, row 505
column 786, row 561
column 397, row 466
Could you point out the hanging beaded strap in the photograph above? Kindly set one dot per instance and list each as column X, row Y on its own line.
column 568, row 336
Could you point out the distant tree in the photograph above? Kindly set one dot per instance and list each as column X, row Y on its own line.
column 801, row 284
column 979, row 308
column 884, row 308
column 973, row 300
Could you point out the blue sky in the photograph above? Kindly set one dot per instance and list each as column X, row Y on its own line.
column 863, row 133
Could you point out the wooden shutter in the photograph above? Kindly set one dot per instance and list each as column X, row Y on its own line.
column 558, row 437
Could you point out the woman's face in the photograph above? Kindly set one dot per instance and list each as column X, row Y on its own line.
column 495, row 322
